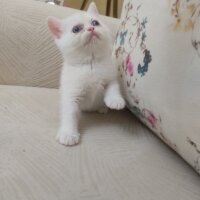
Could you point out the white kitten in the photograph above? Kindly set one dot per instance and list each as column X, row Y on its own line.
column 89, row 78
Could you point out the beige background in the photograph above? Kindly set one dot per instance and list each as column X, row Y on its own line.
column 100, row 3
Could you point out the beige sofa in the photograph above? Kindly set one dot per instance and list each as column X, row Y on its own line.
column 118, row 158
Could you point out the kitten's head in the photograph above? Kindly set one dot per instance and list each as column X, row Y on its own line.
column 82, row 34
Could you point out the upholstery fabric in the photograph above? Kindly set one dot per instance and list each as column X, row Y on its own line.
column 158, row 55
column 118, row 158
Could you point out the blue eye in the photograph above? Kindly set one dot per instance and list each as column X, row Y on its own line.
column 77, row 28
column 95, row 23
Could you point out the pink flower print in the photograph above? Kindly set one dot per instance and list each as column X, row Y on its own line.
column 150, row 117
column 129, row 65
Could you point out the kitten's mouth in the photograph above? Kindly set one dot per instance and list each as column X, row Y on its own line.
column 91, row 38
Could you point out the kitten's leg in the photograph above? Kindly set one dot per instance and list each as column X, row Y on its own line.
column 113, row 98
column 68, row 133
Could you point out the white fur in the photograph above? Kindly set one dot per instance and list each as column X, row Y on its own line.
column 88, row 78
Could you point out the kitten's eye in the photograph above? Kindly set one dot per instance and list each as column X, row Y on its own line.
column 77, row 28
column 95, row 23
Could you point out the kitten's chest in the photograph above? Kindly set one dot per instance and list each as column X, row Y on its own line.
column 96, row 75
column 95, row 82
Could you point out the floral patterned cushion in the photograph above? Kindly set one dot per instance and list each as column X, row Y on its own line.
column 157, row 50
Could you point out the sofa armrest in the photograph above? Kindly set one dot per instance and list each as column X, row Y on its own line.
column 28, row 55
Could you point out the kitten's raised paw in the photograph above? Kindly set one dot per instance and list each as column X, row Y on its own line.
column 68, row 139
column 116, row 103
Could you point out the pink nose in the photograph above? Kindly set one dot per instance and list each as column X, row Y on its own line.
column 91, row 29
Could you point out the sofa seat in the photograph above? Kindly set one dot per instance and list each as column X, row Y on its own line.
column 118, row 158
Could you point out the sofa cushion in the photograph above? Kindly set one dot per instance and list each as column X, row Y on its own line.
column 117, row 158
column 158, row 54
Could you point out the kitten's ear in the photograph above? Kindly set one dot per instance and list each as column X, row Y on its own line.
column 92, row 9
column 55, row 26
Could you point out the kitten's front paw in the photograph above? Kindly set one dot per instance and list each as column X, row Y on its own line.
column 68, row 139
column 117, row 103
